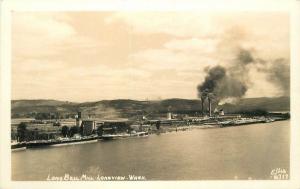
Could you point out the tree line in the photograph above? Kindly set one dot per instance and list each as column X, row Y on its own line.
column 24, row 134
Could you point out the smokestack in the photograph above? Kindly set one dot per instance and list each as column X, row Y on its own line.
column 202, row 107
column 221, row 112
column 169, row 115
column 209, row 106
column 203, row 95
column 218, row 84
column 78, row 119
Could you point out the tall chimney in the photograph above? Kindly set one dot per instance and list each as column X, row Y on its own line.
column 202, row 106
column 78, row 119
column 169, row 115
column 209, row 107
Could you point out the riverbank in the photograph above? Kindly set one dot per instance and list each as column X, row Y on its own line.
column 197, row 154
column 214, row 125
column 54, row 142
column 162, row 130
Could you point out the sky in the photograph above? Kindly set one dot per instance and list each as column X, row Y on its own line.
column 90, row 56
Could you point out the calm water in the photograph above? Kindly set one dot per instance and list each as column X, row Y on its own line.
column 222, row 153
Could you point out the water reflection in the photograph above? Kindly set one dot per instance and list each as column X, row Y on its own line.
column 246, row 152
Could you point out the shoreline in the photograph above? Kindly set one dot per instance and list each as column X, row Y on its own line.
column 203, row 126
column 163, row 130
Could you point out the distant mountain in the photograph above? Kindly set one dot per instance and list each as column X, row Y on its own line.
column 39, row 102
column 20, row 108
column 126, row 108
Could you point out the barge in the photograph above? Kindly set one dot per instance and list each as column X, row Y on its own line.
column 244, row 121
column 61, row 142
column 124, row 135
column 17, row 146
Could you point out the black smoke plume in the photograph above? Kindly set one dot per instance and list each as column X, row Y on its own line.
column 233, row 81
column 279, row 74
column 219, row 84
column 245, row 56
column 277, row 71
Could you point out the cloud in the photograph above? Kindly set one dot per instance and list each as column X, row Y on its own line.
column 172, row 23
column 248, row 30
column 160, row 59
column 193, row 45
column 34, row 66
column 46, row 35
column 139, row 54
column 37, row 34
column 237, row 42
column 180, row 54
column 260, row 86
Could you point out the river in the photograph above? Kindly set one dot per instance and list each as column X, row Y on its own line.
column 244, row 152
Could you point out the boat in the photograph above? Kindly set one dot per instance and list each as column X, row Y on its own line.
column 17, row 146
column 73, row 141
column 38, row 143
column 62, row 141
column 268, row 120
column 124, row 135
column 211, row 123
column 241, row 121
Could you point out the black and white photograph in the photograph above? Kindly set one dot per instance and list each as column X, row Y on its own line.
column 150, row 95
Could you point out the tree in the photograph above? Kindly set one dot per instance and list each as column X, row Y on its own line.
column 42, row 116
column 35, row 134
column 64, row 131
column 158, row 125
column 22, row 132
column 99, row 130
column 81, row 130
column 73, row 130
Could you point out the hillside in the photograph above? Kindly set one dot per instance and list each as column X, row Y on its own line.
column 39, row 102
column 129, row 108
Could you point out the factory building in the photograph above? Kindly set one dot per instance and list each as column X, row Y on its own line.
column 169, row 116
column 116, row 126
column 78, row 119
column 88, row 126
